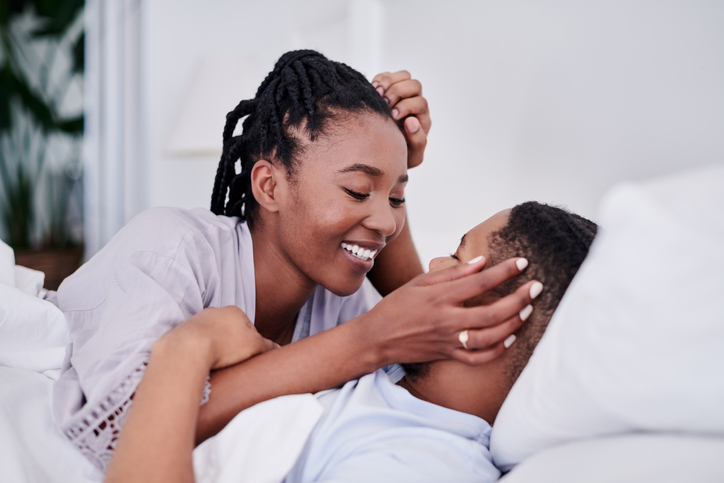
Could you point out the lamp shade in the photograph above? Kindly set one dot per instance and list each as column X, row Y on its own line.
column 216, row 88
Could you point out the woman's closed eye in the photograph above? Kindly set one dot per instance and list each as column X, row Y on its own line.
column 397, row 202
column 357, row 195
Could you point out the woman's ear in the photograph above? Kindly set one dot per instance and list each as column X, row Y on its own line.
column 265, row 185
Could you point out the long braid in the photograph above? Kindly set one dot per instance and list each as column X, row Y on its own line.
column 225, row 171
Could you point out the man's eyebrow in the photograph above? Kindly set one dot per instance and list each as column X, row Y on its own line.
column 364, row 168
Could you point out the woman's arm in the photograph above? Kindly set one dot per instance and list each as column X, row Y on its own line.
column 399, row 263
column 421, row 321
column 158, row 438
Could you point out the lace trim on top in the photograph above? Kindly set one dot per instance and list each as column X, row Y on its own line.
column 97, row 429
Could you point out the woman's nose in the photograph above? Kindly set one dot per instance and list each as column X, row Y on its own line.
column 382, row 219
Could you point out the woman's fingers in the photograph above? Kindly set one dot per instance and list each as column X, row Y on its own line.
column 416, row 142
column 404, row 96
column 476, row 357
column 452, row 273
column 406, row 89
column 383, row 81
column 492, row 336
column 501, row 310
column 466, row 288
column 414, row 106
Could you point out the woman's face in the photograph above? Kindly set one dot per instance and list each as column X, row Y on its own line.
column 346, row 201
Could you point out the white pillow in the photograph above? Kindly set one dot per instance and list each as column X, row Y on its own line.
column 7, row 264
column 630, row 458
column 33, row 333
column 637, row 343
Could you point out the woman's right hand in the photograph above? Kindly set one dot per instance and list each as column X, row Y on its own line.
column 225, row 335
column 422, row 320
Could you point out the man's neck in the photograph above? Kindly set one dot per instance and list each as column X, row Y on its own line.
column 474, row 390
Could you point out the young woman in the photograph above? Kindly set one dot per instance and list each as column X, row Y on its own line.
column 318, row 193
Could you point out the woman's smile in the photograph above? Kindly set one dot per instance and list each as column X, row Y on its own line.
column 361, row 256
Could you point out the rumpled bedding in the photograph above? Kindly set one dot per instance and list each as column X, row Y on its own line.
column 260, row 445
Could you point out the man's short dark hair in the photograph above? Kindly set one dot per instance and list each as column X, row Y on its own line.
column 555, row 242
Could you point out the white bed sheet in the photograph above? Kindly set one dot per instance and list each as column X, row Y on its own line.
column 260, row 445
column 32, row 448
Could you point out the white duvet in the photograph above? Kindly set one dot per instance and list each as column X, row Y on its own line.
column 260, row 445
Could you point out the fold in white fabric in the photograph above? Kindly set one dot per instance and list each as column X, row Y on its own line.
column 261, row 444
column 33, row 332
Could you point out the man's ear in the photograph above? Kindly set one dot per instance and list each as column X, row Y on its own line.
column 265, row 185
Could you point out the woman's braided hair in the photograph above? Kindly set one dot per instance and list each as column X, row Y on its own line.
column 298, row 97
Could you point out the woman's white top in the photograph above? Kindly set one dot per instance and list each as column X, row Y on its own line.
column 163, row 267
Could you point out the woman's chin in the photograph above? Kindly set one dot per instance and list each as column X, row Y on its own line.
column 344, row 288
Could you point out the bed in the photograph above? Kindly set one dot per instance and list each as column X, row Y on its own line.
column 627, row 384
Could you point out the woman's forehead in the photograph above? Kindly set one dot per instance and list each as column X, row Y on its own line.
column 364, row 140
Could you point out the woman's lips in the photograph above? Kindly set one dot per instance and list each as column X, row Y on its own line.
column 360, row 256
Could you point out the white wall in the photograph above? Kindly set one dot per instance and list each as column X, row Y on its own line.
column 552, row 101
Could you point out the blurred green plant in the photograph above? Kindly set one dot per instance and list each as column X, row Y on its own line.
column 33, row 88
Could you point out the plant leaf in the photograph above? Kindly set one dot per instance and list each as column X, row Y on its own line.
column 59, row 15
column 79, row 54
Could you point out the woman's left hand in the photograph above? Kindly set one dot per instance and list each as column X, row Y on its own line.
column 404, row 96
column 225, row 335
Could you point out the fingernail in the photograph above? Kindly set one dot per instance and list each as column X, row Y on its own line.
column 381, row 90
column 509, row 341
column 395, row 113
column 521, row 263
column 375, row 84
column 525, row 313
column 475, row 260
column 387, row 101
column 536, row 289
column 413, row 125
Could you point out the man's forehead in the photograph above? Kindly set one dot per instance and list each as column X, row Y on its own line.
column 479, row 234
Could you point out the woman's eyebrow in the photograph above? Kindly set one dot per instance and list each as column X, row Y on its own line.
column 462, row 240
column 364, row 168
column 370, row 170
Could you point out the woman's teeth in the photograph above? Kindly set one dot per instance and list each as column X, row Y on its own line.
column 359, row 252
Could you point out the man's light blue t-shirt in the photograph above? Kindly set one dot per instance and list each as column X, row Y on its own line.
column 374, row 430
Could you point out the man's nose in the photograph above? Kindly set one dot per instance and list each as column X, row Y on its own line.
column 437, row 262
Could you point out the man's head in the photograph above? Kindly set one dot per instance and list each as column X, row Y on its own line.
column 555, row 242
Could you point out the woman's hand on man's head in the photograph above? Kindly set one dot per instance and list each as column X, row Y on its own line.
column 404, row 96
column 422, row 320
